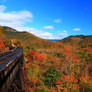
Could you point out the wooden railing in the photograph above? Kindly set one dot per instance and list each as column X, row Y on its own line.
column 10, row 63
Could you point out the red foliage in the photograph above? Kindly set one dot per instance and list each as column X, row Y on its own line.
column 69, row 78
column 35, row 55
column 2, row 46
column 29, row 59
column 23, row 72
column 34, row 81
column 75, row 60
column 75, row 86
column 68, row 48
column 58, row 82
column 38, row 87
column 87, row 49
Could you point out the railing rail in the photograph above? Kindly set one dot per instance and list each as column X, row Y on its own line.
column 9, row 60
column 9, row 67
column 7, row 55
column 6, row 52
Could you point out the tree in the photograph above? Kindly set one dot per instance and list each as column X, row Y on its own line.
column 59, row 55
column 50, row 77
column 28, row 47
column 2, row 46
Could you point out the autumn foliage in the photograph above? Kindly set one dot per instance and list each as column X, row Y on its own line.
column 2, row 46
column 70, row 72
column 33, row 55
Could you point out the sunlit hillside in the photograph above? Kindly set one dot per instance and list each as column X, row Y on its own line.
column 29, row 39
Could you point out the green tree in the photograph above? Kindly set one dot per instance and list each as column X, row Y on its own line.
column 59, row 55
column 50, row 77
column 28, row 47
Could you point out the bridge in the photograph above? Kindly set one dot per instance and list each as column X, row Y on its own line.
column 10, row 64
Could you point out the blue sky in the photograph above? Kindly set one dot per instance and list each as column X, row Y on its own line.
column 48, row 19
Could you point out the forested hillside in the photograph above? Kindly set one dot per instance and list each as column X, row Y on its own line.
column 50, row 66
column 28, row 39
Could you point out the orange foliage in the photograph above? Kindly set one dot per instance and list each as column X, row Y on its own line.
column 34, row 81
column 87, row 49
column 35, row 55
column 67, row 48
column 75, row 86
column 69, row 78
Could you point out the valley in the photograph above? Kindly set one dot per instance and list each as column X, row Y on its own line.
column 53, row 66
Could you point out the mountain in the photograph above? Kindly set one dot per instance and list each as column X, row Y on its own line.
column 87, row 42
column 8, row 29
column 29, row 39
column 76, row 40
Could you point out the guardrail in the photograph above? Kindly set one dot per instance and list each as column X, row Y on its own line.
column 16, row 53
column 6, row 52
column 9, row 67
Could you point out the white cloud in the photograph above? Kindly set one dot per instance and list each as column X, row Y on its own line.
column 76, row 29
column 14, row 18
column 48, row 27
column 65, row 31
column 62, row 34
column 57, row 21
column 44, row 34
column 17, row 20
column 57, row 35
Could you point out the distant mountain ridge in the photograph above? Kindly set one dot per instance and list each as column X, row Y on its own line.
column 77, row 40
column 32, row 40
